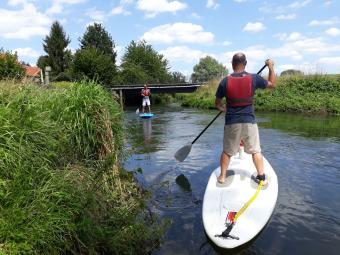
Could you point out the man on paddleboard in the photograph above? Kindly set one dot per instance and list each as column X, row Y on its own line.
column 240, row 124
column 146, row 94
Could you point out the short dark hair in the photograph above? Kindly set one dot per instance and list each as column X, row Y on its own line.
column 239, row 59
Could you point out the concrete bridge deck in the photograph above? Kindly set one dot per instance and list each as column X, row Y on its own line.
column 131, row 93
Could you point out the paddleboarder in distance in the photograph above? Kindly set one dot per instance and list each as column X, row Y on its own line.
column 240, row 124
column 146, row 94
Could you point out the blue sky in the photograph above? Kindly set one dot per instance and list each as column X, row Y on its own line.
column 302, row 34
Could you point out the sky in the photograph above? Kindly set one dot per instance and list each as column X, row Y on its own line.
column 302, row 34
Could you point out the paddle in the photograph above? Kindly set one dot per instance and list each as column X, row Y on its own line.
column 137, row 111
column 183, row 152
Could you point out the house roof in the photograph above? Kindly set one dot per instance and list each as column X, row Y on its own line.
column 32, row 71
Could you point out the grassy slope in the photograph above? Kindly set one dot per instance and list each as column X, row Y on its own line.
column 60, row 187
column 314, row 93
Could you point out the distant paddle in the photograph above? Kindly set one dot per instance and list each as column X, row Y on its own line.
column 137, row 111
column 183, row 152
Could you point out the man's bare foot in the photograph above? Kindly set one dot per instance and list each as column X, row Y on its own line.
column 221, row 179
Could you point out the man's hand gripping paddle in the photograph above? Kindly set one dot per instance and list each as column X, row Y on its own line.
column 183, row 152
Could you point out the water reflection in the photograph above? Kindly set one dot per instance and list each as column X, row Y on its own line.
column 305, row 125
column 147, row 130
column 303, row 150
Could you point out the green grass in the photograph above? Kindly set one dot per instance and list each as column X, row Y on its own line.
column 61, row 188
column 308, row 94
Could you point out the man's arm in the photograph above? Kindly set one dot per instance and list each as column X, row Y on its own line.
column 219, row 104
column 271, row 75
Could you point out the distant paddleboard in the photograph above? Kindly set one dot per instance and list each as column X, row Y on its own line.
column 239, row 193
column 146, row 115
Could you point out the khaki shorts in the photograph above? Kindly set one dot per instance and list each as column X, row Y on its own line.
column 234, row 133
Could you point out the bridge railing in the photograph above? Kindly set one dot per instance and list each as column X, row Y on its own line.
column 163, row 85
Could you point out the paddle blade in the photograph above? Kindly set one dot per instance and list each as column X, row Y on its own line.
column 183, row 152
column 137, row 111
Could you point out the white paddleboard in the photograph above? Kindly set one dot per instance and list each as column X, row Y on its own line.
column 238, row 189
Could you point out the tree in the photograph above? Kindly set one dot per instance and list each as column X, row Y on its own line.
column 96, row 36
column 42, row 62
column 208, row 68
column 10, row 66
column 141, row 63
column 291, row 72
column 55, row 45
column 177, row 77
column 93, row 64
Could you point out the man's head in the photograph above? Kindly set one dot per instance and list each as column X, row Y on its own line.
column 145, row 86
column 239, row 61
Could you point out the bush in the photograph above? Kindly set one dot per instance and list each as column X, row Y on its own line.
column 93, row 64
column 296, row 93
column 10, row 68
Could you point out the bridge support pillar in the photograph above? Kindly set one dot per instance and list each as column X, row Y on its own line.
column 121, row 97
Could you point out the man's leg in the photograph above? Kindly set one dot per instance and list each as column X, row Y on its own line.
column 258, row 162
column 231, row 141
column 148, row 102
column 224, row 161
column 252, row 146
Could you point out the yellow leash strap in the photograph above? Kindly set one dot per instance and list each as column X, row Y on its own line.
column 246, row 205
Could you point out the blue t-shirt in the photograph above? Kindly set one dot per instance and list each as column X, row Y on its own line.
column 240, row 114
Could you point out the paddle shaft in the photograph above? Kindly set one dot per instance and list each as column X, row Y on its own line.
column 211, row 122
column 206, row 127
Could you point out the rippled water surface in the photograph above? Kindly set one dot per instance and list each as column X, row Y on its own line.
column 303, row 150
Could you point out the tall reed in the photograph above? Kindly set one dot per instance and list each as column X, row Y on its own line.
column 61, row 187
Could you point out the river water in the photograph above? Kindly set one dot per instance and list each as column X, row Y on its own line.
column 303, row 150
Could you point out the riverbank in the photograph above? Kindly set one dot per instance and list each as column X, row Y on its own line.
column 305, row 94
column 61, row 186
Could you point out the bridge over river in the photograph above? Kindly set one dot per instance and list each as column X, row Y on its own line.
column 130, row 94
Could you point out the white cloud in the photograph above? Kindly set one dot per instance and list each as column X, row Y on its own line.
column 211, row 4
column 178, row 32
column 120, row 10
column 195, row 15
column 226, row 43
column 294, row 36
column 287, row 66
column 69, row 1
column 58, row 5
column 152, row 8
column 27, row 52
column 240, row 1
column 327, row 3
column 289, row 37
column 286, row 17
column 295, row 51
column 183, row 54
column 23, row 23
column 299, row 4
column 332, row 21
column 16, row 2
column 332, row 61
column 333, row 31
column 254, row 27
column 96, row 15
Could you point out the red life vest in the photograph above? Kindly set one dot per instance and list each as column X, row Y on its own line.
column 146, row 92
column 239, row 91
